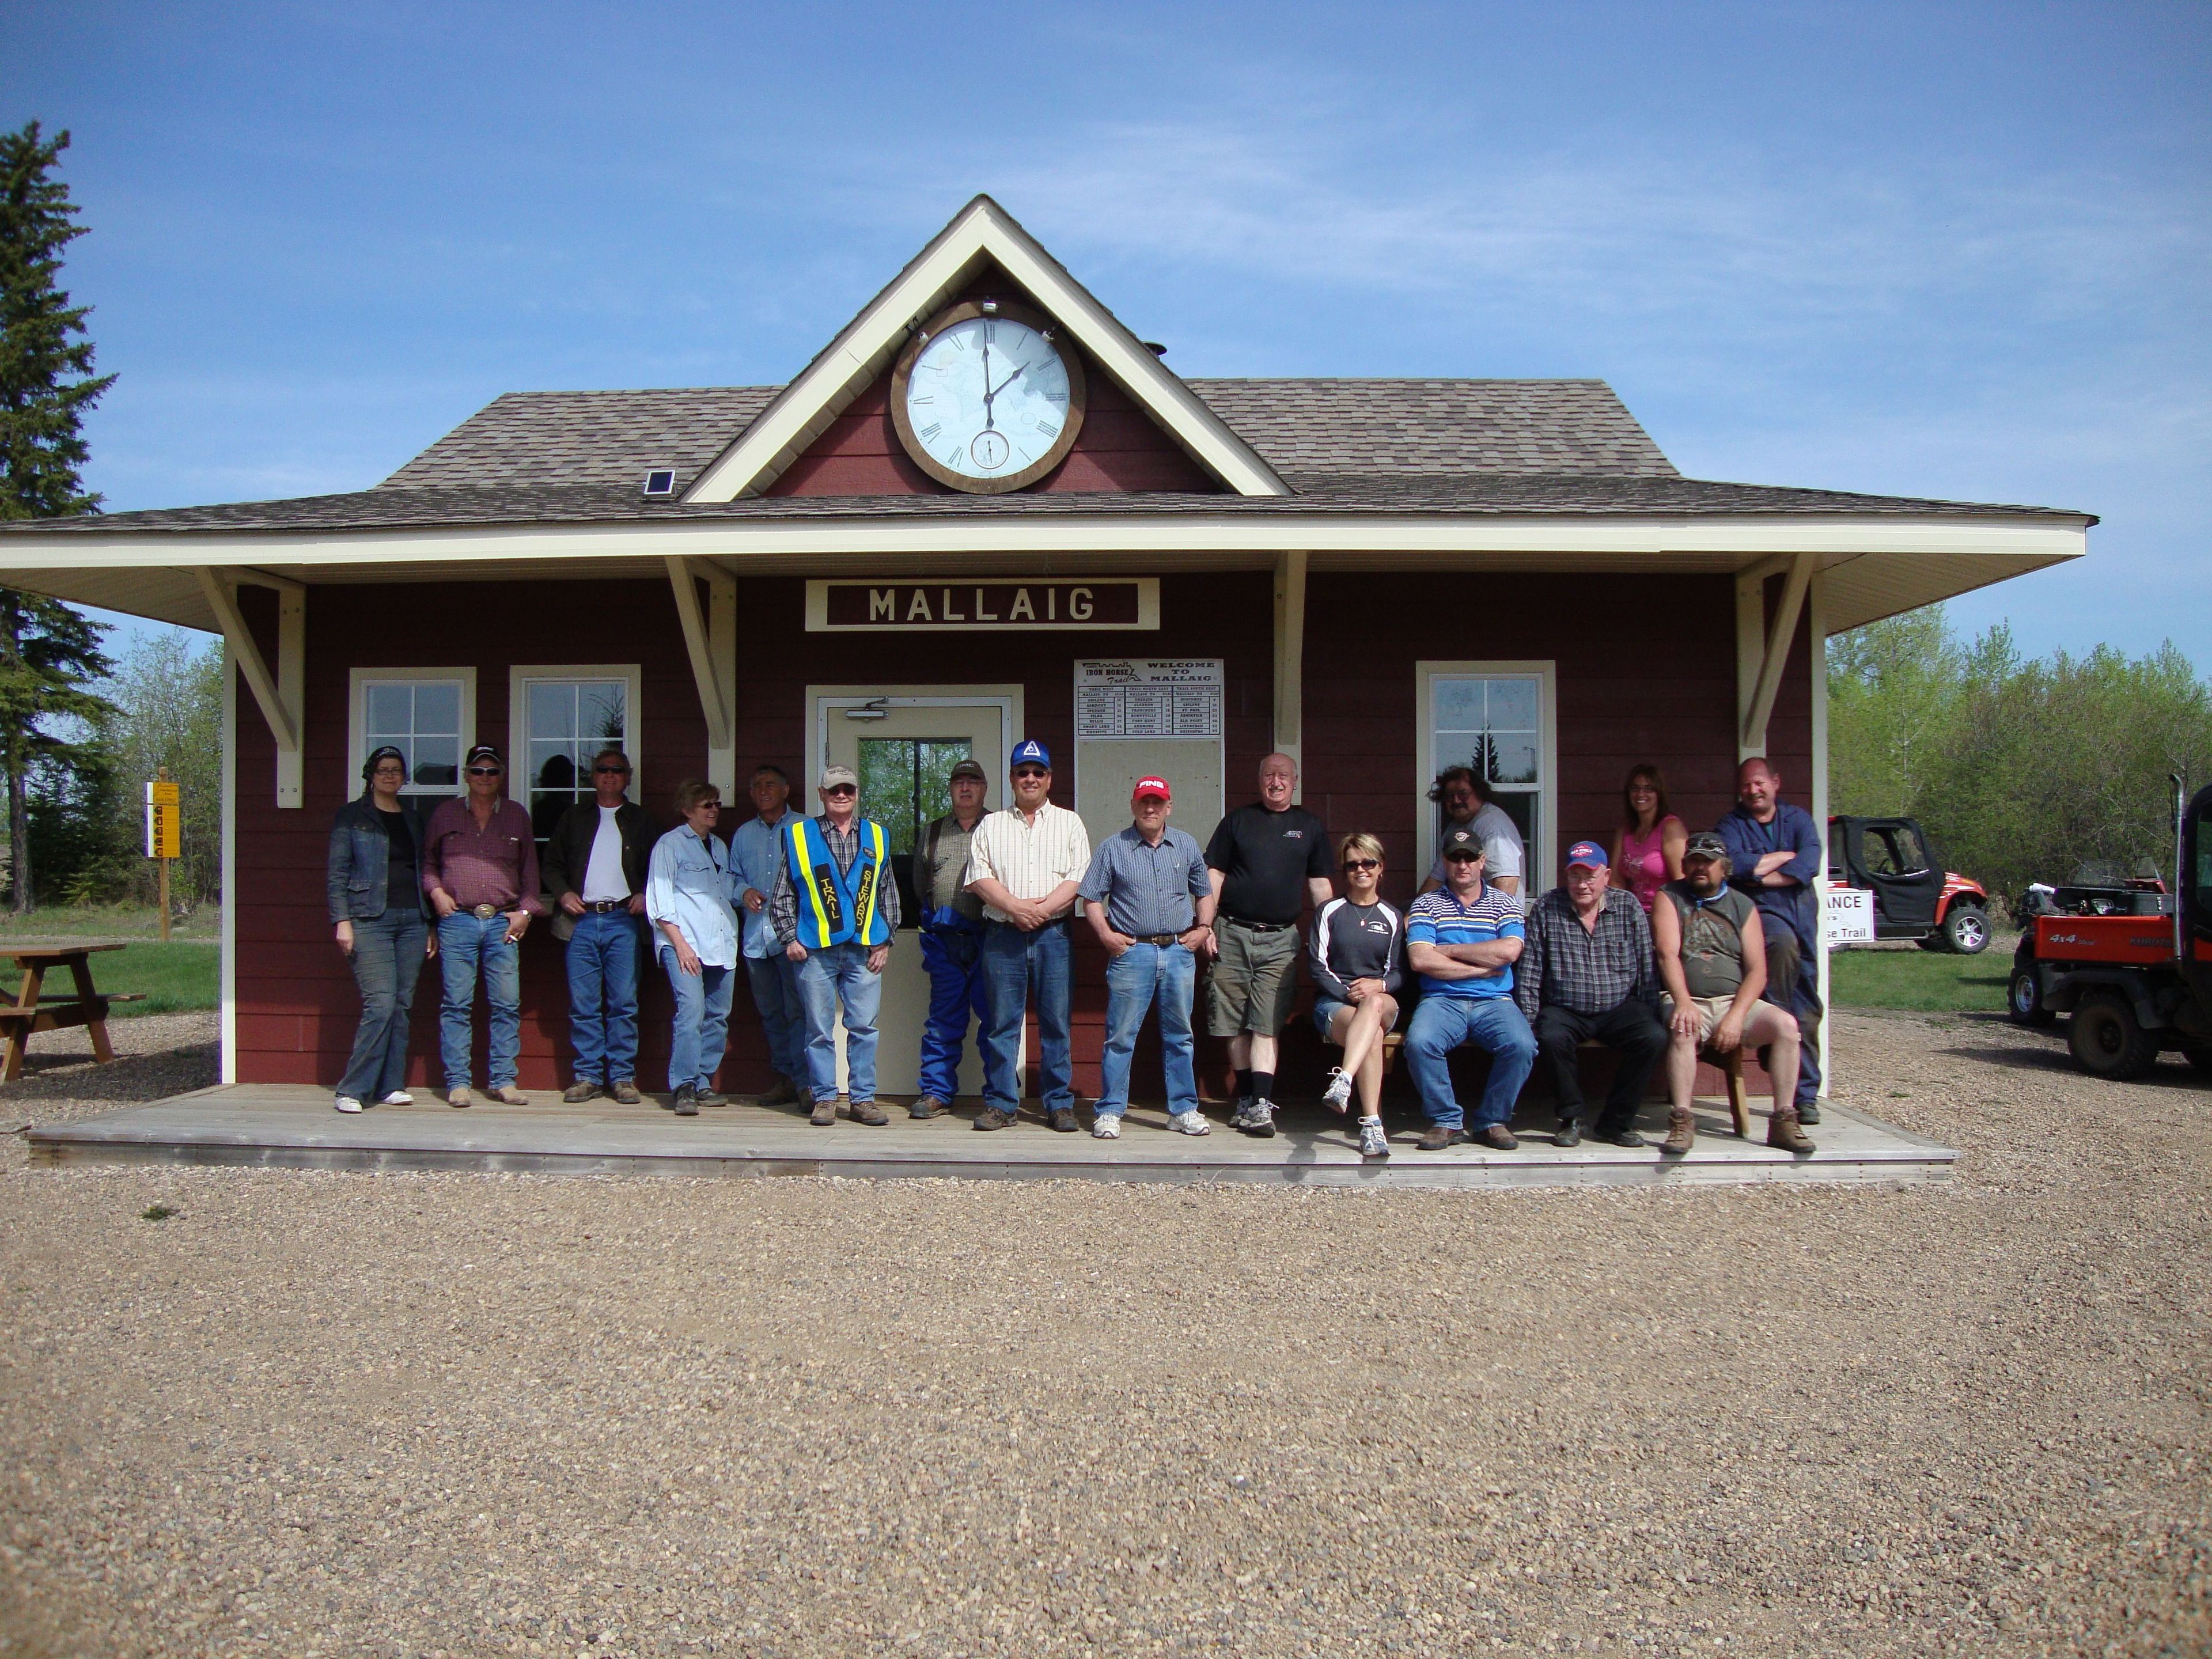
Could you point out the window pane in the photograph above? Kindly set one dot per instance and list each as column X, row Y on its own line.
column 1459, row 705
column 1513, row 759
column 552, row 710
column 600, row 715
column 437, row 763
column 388, row 710
column 438, row 707
column 939, row 756
column 887, row 794
column 1512, row 705
column 552, row 766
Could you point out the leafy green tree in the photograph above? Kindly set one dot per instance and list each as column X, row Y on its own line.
column 167, row 693
column 48, row 652
column 1894, row 688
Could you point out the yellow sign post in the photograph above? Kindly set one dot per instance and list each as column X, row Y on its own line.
column 165, row 837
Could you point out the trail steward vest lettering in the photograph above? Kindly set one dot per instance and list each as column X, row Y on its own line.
column 835, row 906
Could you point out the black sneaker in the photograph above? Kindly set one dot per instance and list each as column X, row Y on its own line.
column 1062, row 1118
column 687, row 1102
column 1628, row 1138
column 1569, row 1133
column 711, row 1097
column 1808, row 1113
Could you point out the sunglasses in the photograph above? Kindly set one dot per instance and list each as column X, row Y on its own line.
column 1462, row 858
column 841, row 789
column 1031, row 772
column 611, row 771
column 1362, row 864
column 485, row 771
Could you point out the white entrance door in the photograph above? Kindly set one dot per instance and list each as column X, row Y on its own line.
column 904, row 743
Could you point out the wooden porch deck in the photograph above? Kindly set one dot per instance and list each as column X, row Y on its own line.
column 294, row 1126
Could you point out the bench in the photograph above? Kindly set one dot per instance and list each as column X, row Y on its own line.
column 30, row 1013
column 1729, row 1065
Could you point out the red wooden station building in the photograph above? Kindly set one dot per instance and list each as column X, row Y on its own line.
column 1380, row 577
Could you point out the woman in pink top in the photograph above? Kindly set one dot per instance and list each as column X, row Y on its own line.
column 1647, row 848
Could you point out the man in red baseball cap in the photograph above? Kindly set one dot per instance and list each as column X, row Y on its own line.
column 1151, row 902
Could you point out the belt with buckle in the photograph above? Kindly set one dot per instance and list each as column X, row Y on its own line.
column 603, row 906
column 1258, row 927
column 485, row 912
column 1157, row 939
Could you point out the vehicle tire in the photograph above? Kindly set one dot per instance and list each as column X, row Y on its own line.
column 2024, row 998
column 2107, row 1040
column 1966, row 930
column 2200, row 1058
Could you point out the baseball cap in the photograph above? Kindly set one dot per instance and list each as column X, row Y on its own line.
column 969, row 768
column 482, row 751
column 1029, row 752
column 1462, row 842
column 1589, row 854
column 839, row 774
column 1151, row 787
column 1706, row 845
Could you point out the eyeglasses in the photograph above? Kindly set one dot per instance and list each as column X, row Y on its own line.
column 841, row 789
column 1029, row 772
column 611, row 771
column 483, row 771
column 1362, row 864
column 1462, row 858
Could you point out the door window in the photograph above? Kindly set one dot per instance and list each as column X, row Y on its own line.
column 905, row 784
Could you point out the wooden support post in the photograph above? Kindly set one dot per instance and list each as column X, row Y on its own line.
column 704, row 629
column 280, row 695
column 1763, row 646
column 1291, row 656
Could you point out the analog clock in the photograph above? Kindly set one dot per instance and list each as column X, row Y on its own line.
column 986, row 397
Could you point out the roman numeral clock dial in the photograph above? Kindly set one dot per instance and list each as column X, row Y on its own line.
column 986, row 397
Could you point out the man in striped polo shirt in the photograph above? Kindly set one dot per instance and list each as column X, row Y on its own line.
column 1463, row 941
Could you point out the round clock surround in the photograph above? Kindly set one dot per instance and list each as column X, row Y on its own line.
column 986, row 398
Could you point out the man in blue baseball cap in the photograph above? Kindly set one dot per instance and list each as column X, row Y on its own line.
column 1587, row 975
column 1025, row 862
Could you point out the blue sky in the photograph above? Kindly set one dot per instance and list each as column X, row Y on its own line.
column 1957, row 252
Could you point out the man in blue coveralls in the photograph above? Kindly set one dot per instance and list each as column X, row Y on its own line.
column 952, row 939
column 1775, row 851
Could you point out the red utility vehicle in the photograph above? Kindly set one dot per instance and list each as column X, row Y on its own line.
column 2130, row 962
column 1914, row 896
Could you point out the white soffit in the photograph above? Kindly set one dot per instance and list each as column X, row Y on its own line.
column 983, row 232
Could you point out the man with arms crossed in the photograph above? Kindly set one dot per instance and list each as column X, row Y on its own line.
column 1775, row 850
column 1712, row 960
column 595, row 867
column 1149, row 899
column 756, row 855
column 952, row 939
column 1024, row 863
column 1267, row 860
column 1463, row 942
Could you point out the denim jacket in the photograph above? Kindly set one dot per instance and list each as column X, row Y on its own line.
column 359, row 860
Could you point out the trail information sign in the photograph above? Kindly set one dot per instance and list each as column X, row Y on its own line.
column 164, row 830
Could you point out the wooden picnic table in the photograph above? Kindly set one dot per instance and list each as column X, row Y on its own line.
column 88, row 1007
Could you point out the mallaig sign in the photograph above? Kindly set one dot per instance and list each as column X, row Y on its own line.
column 959, row 605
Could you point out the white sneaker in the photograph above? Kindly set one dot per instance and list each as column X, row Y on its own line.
column 1373, row 1143
column 1106, row 1128
column 348, row 1104
column 1338, row 1095
column 398, row 1097
column 1190, row 1123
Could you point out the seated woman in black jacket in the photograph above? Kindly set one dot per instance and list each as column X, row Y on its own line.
column 381, row 918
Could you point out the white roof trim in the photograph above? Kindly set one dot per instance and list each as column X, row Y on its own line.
column 983, row 231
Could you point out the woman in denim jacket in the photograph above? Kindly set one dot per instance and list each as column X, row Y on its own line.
column 380, row 916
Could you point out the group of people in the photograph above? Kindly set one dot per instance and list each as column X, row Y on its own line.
column 1665, row 946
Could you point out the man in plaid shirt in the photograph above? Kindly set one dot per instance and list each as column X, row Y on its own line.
column 1586, row 973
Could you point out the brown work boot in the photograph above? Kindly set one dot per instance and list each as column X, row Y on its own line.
column 824, row 1113
column 1783, row 1131
column 867, row 1112
column 1497, row 1138
column 1062, row 1118
column 577, row 1093
column 509, row 1096
column 1681, row 1131
column 994, row 1117
column 786, row 1093
column 625, row 1091
column 927, row 1106
column 458, row 1099
column 1436, row 1136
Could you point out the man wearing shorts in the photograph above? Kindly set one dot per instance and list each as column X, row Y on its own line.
column 1267, row 860
column 1712, row 960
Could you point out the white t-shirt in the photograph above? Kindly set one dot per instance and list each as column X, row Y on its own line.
column 1502, row 854
column 603, row 876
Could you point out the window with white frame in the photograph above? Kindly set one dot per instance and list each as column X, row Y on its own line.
column 1496, row 718
column 428, row 715
column 561, row 718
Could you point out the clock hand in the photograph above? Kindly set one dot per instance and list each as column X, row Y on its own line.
column 988, row 424
column 1004, row 384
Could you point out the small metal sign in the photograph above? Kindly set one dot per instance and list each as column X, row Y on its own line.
column 964, row 605
column 164, row 822
column 1847, row 916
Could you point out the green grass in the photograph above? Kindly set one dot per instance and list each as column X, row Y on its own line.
column 57, row 922
column 1921, row 981
column 177, row 977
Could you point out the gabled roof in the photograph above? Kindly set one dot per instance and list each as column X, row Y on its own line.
column 981, row 234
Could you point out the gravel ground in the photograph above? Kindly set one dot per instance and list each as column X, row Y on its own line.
column 325, row 1415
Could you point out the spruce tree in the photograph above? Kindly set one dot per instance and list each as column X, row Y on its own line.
column 48, row 652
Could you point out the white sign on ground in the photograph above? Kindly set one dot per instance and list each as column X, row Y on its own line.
column 1848, row 916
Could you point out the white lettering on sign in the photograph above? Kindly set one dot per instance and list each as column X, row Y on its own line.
column 883, row 605
column 1097, row 604
column 1847, row 916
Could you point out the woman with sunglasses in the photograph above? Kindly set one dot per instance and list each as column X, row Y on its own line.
column 1647, row 846
column 1355, row 957
column 381, row 918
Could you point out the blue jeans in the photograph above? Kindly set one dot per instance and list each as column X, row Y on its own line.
column 1141, row 975
column 958, row 992
column 1440, row 1025
column 835, row 974
column 702, row 1028
column 465, row 944
column 602, row 996
column 774, row 981
column 1017, row 965
column 387, row 956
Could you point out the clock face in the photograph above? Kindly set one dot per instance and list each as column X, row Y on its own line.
column 984, row 401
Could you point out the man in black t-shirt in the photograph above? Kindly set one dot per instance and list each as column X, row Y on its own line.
column 1267, row 862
